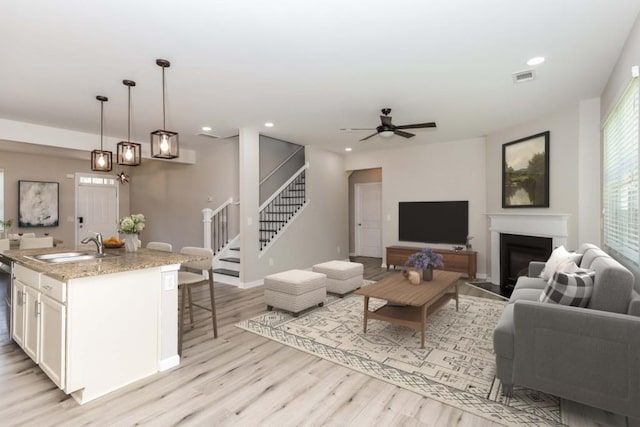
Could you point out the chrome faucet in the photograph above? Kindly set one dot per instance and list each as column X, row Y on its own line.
column 97, row 240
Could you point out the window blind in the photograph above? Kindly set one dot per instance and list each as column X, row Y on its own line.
column 2, row 218
column 620, row 177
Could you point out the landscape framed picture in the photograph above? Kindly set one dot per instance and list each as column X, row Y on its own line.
column 37, row 204
column 525, row 172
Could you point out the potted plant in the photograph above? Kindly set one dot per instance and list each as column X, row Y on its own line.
column 425, row 260
column 130, row 226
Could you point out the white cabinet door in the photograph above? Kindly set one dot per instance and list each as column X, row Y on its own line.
column 52, row 339
column 17, row 312
column 31, row 323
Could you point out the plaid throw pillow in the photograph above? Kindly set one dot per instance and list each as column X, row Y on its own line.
column 573, row 289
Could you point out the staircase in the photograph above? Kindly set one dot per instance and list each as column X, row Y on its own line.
column 275, row 215
column 279, row 209
column 226, row 265
column 226, row 254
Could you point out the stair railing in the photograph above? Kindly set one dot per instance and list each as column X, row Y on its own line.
column 216, row 226
column 280, row 208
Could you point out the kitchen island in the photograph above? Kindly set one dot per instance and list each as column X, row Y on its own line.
column 95, row 326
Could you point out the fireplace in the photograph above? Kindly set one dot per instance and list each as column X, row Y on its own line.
column 554, row 226
column 516, row 251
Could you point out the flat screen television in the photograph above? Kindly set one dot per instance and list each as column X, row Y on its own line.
column 434, row 222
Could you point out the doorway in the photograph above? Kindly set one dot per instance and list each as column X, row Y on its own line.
column 97, row 201
column 368, row 219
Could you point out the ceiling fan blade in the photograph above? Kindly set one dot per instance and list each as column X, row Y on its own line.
column 350, row 129
column 418, row 126
column 405, row 134
column 386, row 120
column 370, row 136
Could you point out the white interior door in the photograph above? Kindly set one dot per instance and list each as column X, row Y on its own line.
column 368, row 219
column 96, row 207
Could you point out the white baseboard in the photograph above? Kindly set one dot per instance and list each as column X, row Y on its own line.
column 169, row 363
column 253, row 284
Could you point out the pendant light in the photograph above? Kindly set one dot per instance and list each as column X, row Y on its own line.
column 164, row 143
column 129, row 153
column 100, row 159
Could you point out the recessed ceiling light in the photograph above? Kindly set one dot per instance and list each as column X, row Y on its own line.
column 206, row 128
column 536, row 60
column 269, row 124
column 348, row 149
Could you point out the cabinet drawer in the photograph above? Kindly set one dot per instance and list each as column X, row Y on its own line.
column 27, row 276
column 53, row 288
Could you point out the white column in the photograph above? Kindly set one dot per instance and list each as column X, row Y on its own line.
column 249, row 154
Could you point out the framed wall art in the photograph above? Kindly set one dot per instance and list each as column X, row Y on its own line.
column 38, row 204
column 525, row 172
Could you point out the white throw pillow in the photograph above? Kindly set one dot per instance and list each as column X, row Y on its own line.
column 558, row 257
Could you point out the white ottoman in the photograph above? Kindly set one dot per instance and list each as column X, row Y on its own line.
column 294, row 290
column 342, row 276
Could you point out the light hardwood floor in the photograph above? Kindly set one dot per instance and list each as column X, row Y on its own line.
column 239, row 379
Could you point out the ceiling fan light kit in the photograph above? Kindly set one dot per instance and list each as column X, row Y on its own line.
column 387, row 129
column 129, row 153
column 101, row 160
column 164, row 143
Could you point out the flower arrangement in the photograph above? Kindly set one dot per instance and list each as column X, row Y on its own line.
column 6, row 226
column 133, row 224
column 424, row 259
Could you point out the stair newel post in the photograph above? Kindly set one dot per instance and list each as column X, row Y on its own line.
column 206, row 220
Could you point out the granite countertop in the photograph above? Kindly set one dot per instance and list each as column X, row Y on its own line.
column 124, row 261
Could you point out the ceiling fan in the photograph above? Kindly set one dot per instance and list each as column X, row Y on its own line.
column 388, row 129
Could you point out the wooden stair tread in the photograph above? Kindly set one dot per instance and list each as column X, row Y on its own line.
column 227, row 272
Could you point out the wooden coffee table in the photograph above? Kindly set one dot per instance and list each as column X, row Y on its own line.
column 417, row 300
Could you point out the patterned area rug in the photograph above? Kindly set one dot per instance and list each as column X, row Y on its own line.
column 456, row 367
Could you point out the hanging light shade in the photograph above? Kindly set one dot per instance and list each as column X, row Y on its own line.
column 129, row 153
column 100, row 159
column 164, row 143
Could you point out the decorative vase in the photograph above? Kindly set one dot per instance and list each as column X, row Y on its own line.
column 131, row 242
column 427, row 274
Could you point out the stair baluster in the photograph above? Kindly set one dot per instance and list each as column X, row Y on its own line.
column 282, row 207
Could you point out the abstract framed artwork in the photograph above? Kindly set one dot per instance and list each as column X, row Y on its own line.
column 525, row 172
column 38, row 204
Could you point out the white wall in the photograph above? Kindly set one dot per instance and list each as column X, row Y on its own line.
column 563, row 166
column 589, row 172
column 453, row 170
column 621, row 73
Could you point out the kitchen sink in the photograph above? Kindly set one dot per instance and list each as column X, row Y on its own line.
column 63, row 257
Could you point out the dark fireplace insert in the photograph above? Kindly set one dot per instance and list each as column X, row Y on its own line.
column 516, row 251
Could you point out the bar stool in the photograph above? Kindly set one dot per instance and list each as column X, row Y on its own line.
column 160, row 246
column 188, row 280
column 36, row 242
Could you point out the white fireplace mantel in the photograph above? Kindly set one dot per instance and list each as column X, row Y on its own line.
column 555, row 226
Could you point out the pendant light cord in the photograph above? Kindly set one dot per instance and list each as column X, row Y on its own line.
column 129, row 118
column 101, row 122
column 164, row 125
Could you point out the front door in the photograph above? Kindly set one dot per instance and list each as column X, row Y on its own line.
column 96, row 206
column 368, row 219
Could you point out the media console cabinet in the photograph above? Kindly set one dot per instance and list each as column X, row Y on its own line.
column 460, row 261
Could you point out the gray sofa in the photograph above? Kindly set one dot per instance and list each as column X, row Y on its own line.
column 588, row 355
